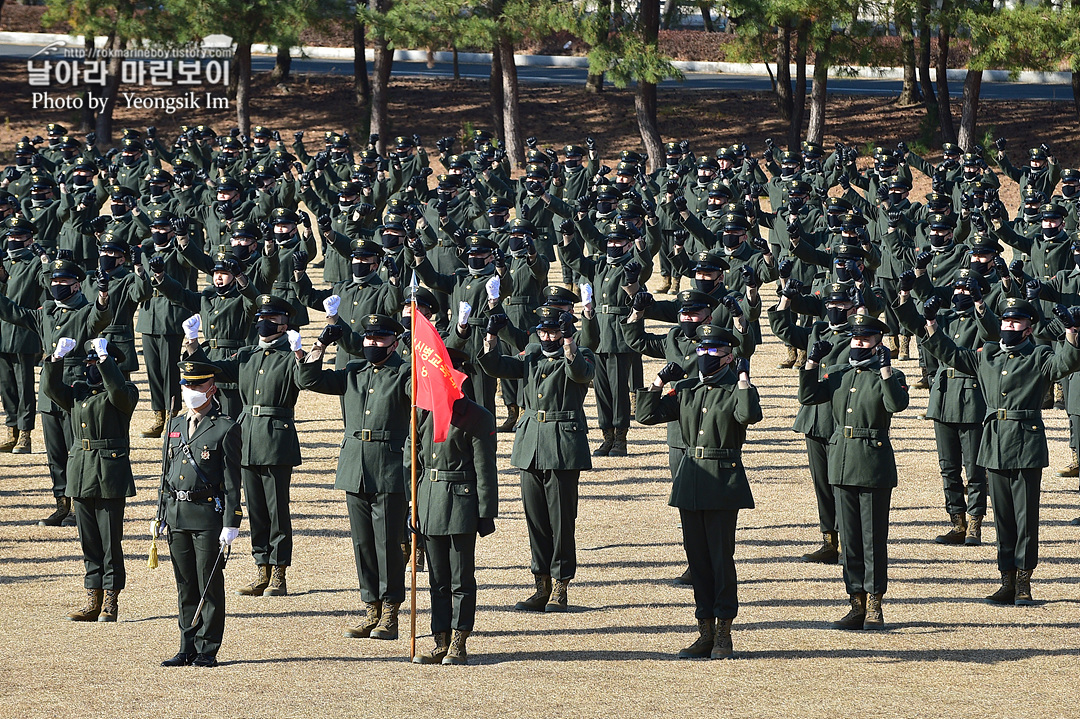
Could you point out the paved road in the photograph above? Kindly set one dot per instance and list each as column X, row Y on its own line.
column 575, row 76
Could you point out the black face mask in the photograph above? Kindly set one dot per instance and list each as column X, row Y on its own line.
column 223, row 290
column 241, row 252
column 689, row 328
column 161, row 239
column 1069, row 191
column 1050, row 232
column 962, row 303
column 477, row 263
column 108, row 263
column 550, row 346
column 93, row 375
column 128, row 160
column 842, row 275
column 603, row 208
column 61, row 292
column 1030, row 215
column 706, row 286
column 796, row 203
column 836, row 315
column 731, row 241
column 497, row 221
column 117, row 209
column 517, row 243
column 833, row 220
column 361, row 269
column 1012, row 338
column 710, row 365
column 373, row 353
column 406, row 322
column 672, row 162
column 861, row 354
column 980, row 268
column 616, row 251
column 157, row 190
column 267, row 328
column 84, row 180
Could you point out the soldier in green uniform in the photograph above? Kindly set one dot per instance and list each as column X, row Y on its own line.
column 863, row 395
column 376, row 402
column 199, row 509
column 710, row 485
column 99, row 467
column 1014, row 375
column 550, row 445
column 266, row 376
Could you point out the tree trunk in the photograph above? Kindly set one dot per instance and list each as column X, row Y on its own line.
column 925, row 83
column 645, row 96
column 104, row 122
column 669, row 14
column 909, row 93
column 594, row 83
column 969, row 109
column 282, row 65
column 514, row 145
column 495, row 86
column 783, row 71
column 815, row 131
column 86, row 116
column 242, row 68
column 706, row 16
column 457, row 70
column 361, row 84
column 945, row 119
column 1076, row 91
column 380, row 92
column 798, row 104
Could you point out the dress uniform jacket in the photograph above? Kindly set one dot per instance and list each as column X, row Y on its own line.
column 126, row 291
column 370, row 295
column 216, row 448
column 23, row 288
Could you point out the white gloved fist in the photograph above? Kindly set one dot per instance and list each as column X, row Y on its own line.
column 295, row 343
column 228, row 535
column 157, row 528
column 192, row 325
column 63, row 346
column 586, row 293
column 464, row 312
column 101, row 347
column 331, row 304
column 493, row 286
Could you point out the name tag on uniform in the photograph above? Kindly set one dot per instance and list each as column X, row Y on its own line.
column 173, row 435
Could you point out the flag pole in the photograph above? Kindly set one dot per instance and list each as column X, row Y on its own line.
column 412, row 464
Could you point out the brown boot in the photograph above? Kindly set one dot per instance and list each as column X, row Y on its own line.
column 1072, row 469
column 856, row 616
column 92, row 609
column 557, row 601
column 800, row 359
column 63, row 508
column 538, row 601
column 605, row 447
column 828, row 552
column 703, row 645
column 958, row 533
column 420, row 557
column 789, row 361
column 456, row 654
column 618, row 447
column 1048, row 398
column 894, row 344
column 108, row 606
column 22, row 443
column 9, row 439
column 435, row 654
column 257, row 587
column 905, row 348
column 387, row 628
column 1023, row 589
column 277, row 586
column 722, row 647
column 924, row 379
column 874, row 618
column 974, row 531
column 676, row 281
column 156, row 426
column 1059, row 396
column 686, row 579
column 1007, row 593
column 512, row 414
column 372, row 612
column 665, row 285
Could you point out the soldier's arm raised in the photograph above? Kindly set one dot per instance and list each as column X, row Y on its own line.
column 122, row 394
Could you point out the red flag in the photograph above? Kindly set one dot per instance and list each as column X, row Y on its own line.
column 438, row 384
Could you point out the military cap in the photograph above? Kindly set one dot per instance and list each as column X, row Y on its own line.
column 160, row 175
column 131, row 143
column 449, row 182
column 719, row 189
column 66, row 268
column 160, row 218
column 899, row 183
column 1037, row 153
column 205, row 131
column 549, row 317
column 520, row 226
column 811, row 149
column 401, row 141
column 18, row 226
column 196, row 372
column 970, row 158
column 838, row 292
column 978, row 187
column 43, row 182
column 231, row 143
column 54, row 128
column 629, row 208
column 538, row 171
column 364, row 248
column 481, row 135
column 631, row 156
column 348, row 187
column 798, row 187
column 706, row 163
column 850, row 252
column 790, row 156
column 535, row 156
column 672, row 148
column 852, row 221
column 626, row 169
column 367, row 156
column 423, row 296
column 1050, row 211
column 942, row 222
column 556, row 295
column 271, row 305
column 91, row 354
column 479, row 243
column 119, row 192
column 967, row 274
column 6, row 198
column 497, row 205
column 574, row 151
column 620, row 232
column 261, row 131
column 710, row 262
column 221, row 261
column 949, row 148
column 607, row 192
column 736, row 221
column 985, row 245
column 1070, row 175
column 227, row 184
column 458, row 162
column 1016, row 307
column 716, row 335
column 393, row 221
column 283, row 215
column 1032, row 196
column 725, row 153
column 397, row 206
column 838, row 205
column 695, row 300
column 865, row 325
column 84, row 165
column 887, row 160
column 69, row 143
column 130, row 133
column 938, row 199
column 112, row 243
column 23, row 147
column 245, row 228
column 375, row 324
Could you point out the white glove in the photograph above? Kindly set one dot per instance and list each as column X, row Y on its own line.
column 295, row 343
column 331, row 304
column 63, row 346
column 464, row 312
column 101, row 347
column 192, row 325
column 493, row 288
column 586, row 293
column 155, row 528
column 228, row 535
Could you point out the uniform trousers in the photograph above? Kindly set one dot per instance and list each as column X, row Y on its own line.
column 377, row 525
column 550, row 499
column 194, row 554
column 1015, row 494
column 863, row 517
column 709, row 541
column 452, row 576
column 266, row 488
column 101, row 533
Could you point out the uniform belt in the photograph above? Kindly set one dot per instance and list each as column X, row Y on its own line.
column 613, row 310
column 546, row 416
column 520, row 300
column 1012, row 414
column 117, row 330
column 258, row 410
column 453, row 476
column 224, row 344
column 374, row 435
column 716, row 453
column 89, row 444
column 195, row 495
column 863, row 433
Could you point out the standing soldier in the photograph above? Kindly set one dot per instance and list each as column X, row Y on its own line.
column 20, row 348
column 864, row 394
column 199, row 510
column 101, row 404
column 710, row 485
column 550, row 445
